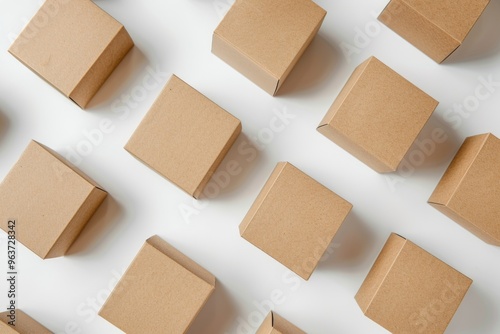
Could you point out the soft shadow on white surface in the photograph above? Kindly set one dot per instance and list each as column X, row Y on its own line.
column 130, row 67
column 484, row 39
column 217, row 315
column 317, row 64
column 98, row 226
column 435, row 154
column 4, row 124
column 226, row 183
column 476, row 314
column 352, row 244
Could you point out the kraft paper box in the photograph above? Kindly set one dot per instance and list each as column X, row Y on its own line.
column 377, row 116
column 74, row 46
column 469, row 192
column 161, row 292
column 294, row 219
column 184, row 136
column 49, row 199
column 264, row 39
column 436, row 27
column 24, row 324
column 274, row 324
column 410, row 291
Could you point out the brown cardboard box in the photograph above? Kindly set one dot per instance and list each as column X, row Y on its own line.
column 377, row 116
column 469, row 192
column 24, row 324
column 410, row 291
column 74, row 46
column 274, row 324
column 184, row 136
column 294, row 219
column 162, row 291
column 436, row 27
column 264, row 39
column 49, row 199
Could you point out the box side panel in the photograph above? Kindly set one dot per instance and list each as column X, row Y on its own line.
column 456, row 17
column 456, row 171
column 351, row 82
column 299, row 55
column 477, row 199
column 285, row 326
column 182, row 259
column 233, row 57
column 102, row 68
column 267, row 325
column 466, row 224
column 418, row 30
column 354, row 149
column 379, row 271
column 217, row 162
column 76, row 225
column 261, row 197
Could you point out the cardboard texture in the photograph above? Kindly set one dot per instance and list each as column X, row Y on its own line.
column 377, row 116
column 294, row 219
column 410, row 291
column 50, row 200
column 184, row 136
column 161, row 292
column 275, row 324
column 24, row 324
column 264, row 39
column 469, row 191
column 74, row 46
column 436, row 27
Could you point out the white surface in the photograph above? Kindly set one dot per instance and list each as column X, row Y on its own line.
column 175, row 37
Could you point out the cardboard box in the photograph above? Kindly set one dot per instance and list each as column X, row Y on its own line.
column 184, row 136
column 49, row 199
column 469, row 191
column 24, row 324
column 377, row 116
column 74, row 46
column 264, row 39
column 161, row 292
column 274, row 324
column 294, row 219
column 436, row 27
column 410, row 291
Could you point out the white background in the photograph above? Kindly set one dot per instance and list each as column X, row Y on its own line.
column 174, row 36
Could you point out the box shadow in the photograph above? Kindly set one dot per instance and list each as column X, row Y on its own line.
column 350, row 246
column 483, row 40
column 318, row 63
column 246, row 155
column 476, row 314
column 4, row 124
column 97, row 227
column 130, row 67
column 435, row 154
column 217, row 314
